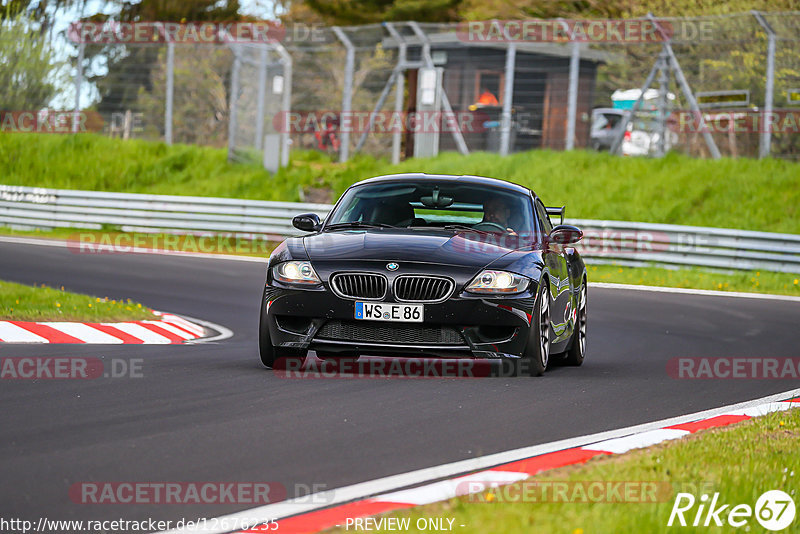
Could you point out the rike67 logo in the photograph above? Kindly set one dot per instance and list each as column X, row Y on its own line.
column 774, row 510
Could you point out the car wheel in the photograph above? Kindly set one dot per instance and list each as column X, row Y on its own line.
column 537, row 353
column 276, row 357
column 577, row 349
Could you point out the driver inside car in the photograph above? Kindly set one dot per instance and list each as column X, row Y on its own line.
column 497, row 212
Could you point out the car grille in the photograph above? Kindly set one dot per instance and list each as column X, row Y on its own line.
column 422, row 288
column 359, row 285
column 401, row 334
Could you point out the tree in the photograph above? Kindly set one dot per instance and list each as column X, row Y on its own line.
column 130, row 67
column 28, row 71
column 347, row 12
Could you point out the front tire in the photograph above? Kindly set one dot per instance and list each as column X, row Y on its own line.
column 271, row 356
column 537, row 352
column 577, row 349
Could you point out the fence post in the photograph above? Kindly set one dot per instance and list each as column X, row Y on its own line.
column 508, row 97
column 170, row 92
column 347, row 91
column 458, row 136
column 572, row 103
column 687, row 90
column 262, row 92
column 663, row 98
column 286, row 101
column 233, row 106
column 764, row 148
column 399, row 89
column 78, row 82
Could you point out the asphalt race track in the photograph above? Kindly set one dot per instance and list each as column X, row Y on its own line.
column 210, row 412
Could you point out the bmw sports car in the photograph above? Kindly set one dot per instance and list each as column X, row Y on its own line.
column 417, row 265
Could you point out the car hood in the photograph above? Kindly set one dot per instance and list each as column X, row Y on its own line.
column 468, row 249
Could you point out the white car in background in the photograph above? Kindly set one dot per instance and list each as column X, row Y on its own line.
column 641, row 135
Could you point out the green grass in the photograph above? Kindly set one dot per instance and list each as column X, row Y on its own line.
column 20, row 302
column 732, row 193
column 740, row 462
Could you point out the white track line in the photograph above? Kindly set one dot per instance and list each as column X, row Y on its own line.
column 637, row 441
column 687, row 291
column 325, row 499
column 63, row 244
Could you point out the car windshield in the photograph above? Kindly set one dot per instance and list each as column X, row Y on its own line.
column 430, row 204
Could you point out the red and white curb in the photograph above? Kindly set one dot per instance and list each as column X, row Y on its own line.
column 168, row 330
column 334, row 507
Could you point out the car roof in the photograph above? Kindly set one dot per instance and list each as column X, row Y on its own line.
column 464, row 178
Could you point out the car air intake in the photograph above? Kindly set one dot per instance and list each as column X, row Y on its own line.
column 422, row 288
column 396, row 333
column 359, row 285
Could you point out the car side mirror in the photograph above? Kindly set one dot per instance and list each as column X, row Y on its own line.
column 307, row 222
column 566, row 234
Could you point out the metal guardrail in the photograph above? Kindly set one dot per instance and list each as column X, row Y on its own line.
column 622, row 242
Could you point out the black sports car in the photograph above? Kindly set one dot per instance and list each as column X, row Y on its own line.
column 429, row 266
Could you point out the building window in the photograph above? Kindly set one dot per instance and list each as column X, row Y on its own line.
column 489, row 88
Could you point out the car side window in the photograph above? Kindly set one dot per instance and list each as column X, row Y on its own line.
column 544, row 219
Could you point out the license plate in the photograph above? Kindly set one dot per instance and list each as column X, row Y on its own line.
column 381, row 311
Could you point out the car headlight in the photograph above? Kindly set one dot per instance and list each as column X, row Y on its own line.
column 295, row 272
column 498, row 282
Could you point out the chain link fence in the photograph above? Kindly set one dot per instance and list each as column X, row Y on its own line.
column 705, row 86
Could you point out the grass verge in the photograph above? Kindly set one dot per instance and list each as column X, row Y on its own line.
column 740, row 462
column 19, row 302
column 730, row 193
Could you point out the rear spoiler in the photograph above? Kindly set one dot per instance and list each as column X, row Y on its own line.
column 556, row 211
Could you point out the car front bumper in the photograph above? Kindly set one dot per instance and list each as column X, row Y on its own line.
column 464, row 325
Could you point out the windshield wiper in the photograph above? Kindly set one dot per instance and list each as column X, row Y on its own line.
column 357, row 224
column 463, row 227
